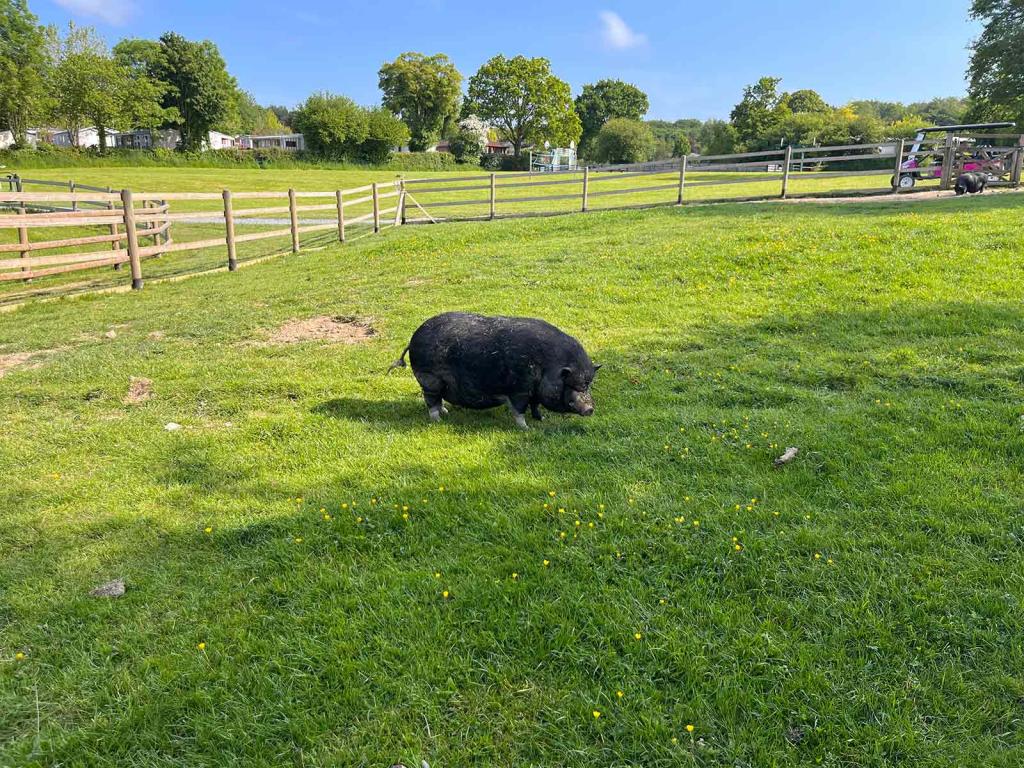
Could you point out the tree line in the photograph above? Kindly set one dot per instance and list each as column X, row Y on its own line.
column 71, row 79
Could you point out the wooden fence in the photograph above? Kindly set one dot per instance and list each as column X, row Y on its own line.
column 135, row 227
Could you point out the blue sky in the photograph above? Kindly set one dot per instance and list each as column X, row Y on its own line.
column 692, row 59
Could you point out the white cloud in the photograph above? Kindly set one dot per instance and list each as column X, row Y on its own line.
column 617, row 34
column 115, row 12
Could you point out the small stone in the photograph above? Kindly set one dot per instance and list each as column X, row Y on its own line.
column 110, row 334
column 113, row 588
column 172, row 427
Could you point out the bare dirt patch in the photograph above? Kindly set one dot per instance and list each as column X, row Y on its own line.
column 335, row 330
column 12, row 360
column 139, row 391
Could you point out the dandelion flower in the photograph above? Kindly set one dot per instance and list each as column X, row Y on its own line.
column 344, row 506
column 547, row 506
column 551, row 494
column 689, row 728
column 637, row 636
column 201, row 646
column 829, row 561
column 405, row 507
column 590, row 524
column 675, row 740
column 817, row 555
column 19, row 656
column 445, row 594
column 597, row 714
column 620, row 694
column 601, row 507
column 298, row 539
column 440, row 489
column 737, row 547
column 208, row 529
column 437, row 574
column 326, row 516
column 561, row 534
column 405, row 515
column 514, row 576
column 359, row 519
column 547, row 563
column 696, row 523
column 561, row 510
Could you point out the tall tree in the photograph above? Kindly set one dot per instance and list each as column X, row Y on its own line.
column 524, row 100
column 757, row 115
column 424, row 92
column 622, row 140
column 996, row 71
column 92, row 88
column 333, row 126
column 805, row 100
column 198, row 85
column 23, row 68
column 601, row 101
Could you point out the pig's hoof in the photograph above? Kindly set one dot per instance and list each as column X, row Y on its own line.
column 521, row 421
column 444, row 411
column 538, row 416
column 435, row 414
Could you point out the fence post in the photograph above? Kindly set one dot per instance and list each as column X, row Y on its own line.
column 376, row 209
column 785, row 170
column 294, row 216
column 115, row 244
column 23, row 231
column 229, row 230
column 71, row 189
column 1018, row 162
column 682, row 180
column 400, row 213
column 947, row 162
column 341, row 217
column 133, row 239
column 586, row 187
column 899, row 166
column 494, row 193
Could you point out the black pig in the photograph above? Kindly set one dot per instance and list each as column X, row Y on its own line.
column 483, row 362
column 972, row 182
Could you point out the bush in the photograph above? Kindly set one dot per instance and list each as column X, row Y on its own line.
column 422, row 161
column 492, row 162
column 465, row 146
column 621, row 140
column 12, row 161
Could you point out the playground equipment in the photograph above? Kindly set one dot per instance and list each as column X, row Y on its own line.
column 553, row 160
column 959, row 153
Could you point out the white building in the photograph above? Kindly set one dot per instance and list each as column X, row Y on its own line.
column 7, row 139
column 218, row 140
column 143, row 138
column 87, row 137
column 289, row 142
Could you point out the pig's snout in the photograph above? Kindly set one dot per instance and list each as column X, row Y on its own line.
column 583, row 403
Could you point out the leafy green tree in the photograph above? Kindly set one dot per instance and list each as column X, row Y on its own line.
column 757, row 116
column 424, row 92
column 805, row 101
column 946, row 110
column 886, row 111
column 384, row 132
column 23, row 68
column 996, row 72
column 91, row 88
column 601, row 101
column 524, row 100
column 283, row 115
column 718, row 137
column 333, row 126
column 681, row 146
column 622, row 140
column 198, row 86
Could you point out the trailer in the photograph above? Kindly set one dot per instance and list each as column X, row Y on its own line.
column 960, row 152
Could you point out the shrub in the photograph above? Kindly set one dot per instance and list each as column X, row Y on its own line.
column 384, row 131
column 621, row 140
column 422, row 161
column 465, row 145
column 490, row 162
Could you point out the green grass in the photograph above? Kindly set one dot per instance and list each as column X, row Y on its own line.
column 701, row 188
column 882, row 340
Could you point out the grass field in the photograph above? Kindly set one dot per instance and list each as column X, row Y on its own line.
column 564, row 197
column 318, row 577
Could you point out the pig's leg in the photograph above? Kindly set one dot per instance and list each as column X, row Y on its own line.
column 518, row 405
column 435, row 405
column 535, row 411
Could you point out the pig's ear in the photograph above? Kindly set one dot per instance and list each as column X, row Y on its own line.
column 598, row 367
column 565, row 372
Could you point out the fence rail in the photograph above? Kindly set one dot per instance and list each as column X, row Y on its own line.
column 135, row 227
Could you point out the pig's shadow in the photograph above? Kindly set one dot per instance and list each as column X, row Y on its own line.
column 412, row 415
